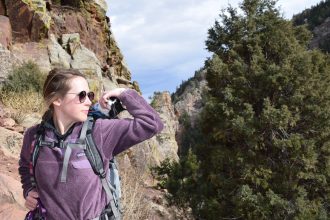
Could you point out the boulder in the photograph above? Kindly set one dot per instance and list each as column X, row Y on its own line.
column 10, row 142
column 12, row 212
column 85, row 60
column 7, row 60
column 11, row 191
column 7, row 122
column 5, row 112
column 73, row 54
column 5, row 32
column 57, row 55
column 11, row 199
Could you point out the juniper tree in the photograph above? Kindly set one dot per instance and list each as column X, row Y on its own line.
column 265, row 152
column 267, row 119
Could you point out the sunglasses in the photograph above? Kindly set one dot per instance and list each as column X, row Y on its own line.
column 83, row 94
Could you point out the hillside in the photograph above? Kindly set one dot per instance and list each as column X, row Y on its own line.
column 317, row 19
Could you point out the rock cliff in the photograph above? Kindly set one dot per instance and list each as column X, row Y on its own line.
column 77, row 34
column 321, row 37
column 188, row 100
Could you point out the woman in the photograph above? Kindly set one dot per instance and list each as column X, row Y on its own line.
column 80, row 196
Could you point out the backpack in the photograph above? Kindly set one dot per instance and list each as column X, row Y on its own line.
column 111, row 186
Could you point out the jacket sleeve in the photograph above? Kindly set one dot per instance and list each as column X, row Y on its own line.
column 24, row 162
column 120, row 134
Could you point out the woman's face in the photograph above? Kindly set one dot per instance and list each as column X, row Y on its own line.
column 71, row 108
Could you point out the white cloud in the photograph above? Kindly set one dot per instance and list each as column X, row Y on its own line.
column 295, row 6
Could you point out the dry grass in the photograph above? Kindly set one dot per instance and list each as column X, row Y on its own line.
column 133, row 202
column 22, row 103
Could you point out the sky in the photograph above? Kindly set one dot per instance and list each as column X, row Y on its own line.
column 163, row 42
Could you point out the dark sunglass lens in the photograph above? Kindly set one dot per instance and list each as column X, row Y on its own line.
column 90, row 96
column 82, row 96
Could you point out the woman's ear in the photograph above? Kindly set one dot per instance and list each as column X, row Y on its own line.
column 57, row 102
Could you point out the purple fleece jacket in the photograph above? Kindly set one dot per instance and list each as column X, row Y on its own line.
column 82, row 196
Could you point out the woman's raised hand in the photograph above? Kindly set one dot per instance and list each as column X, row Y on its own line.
column 112, row 93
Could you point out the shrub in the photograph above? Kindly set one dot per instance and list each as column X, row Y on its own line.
column 22, row 91
column 23, row 78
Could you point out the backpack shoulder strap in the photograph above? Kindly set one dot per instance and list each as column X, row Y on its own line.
column 95, row 159
column 34, row 152
column 91, row 151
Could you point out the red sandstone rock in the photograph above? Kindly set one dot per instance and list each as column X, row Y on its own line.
column 7, row 122
column 26, row 23
column 17, row 12
column 92, row 32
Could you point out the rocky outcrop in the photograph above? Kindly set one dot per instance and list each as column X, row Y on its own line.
column 10, row 191
column 188, row 99
column 10, row 142
column 17, row 12
column 72, row 54
column 86, row 18
column 321, row 35
column 168, row 147
column 11, row 199
column 102, row 5
column 57, row 55
column 36, row 19
column 32, row 51
column 92, row 33
column 7, row 60
column 5, row 32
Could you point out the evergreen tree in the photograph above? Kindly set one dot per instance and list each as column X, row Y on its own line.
column 265, row 152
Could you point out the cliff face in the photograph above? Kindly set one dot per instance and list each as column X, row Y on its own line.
column 321, row 37
column 188, row 98
column 76, row 34
column 52, row 33
column 188, row 101
column 317, row 20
